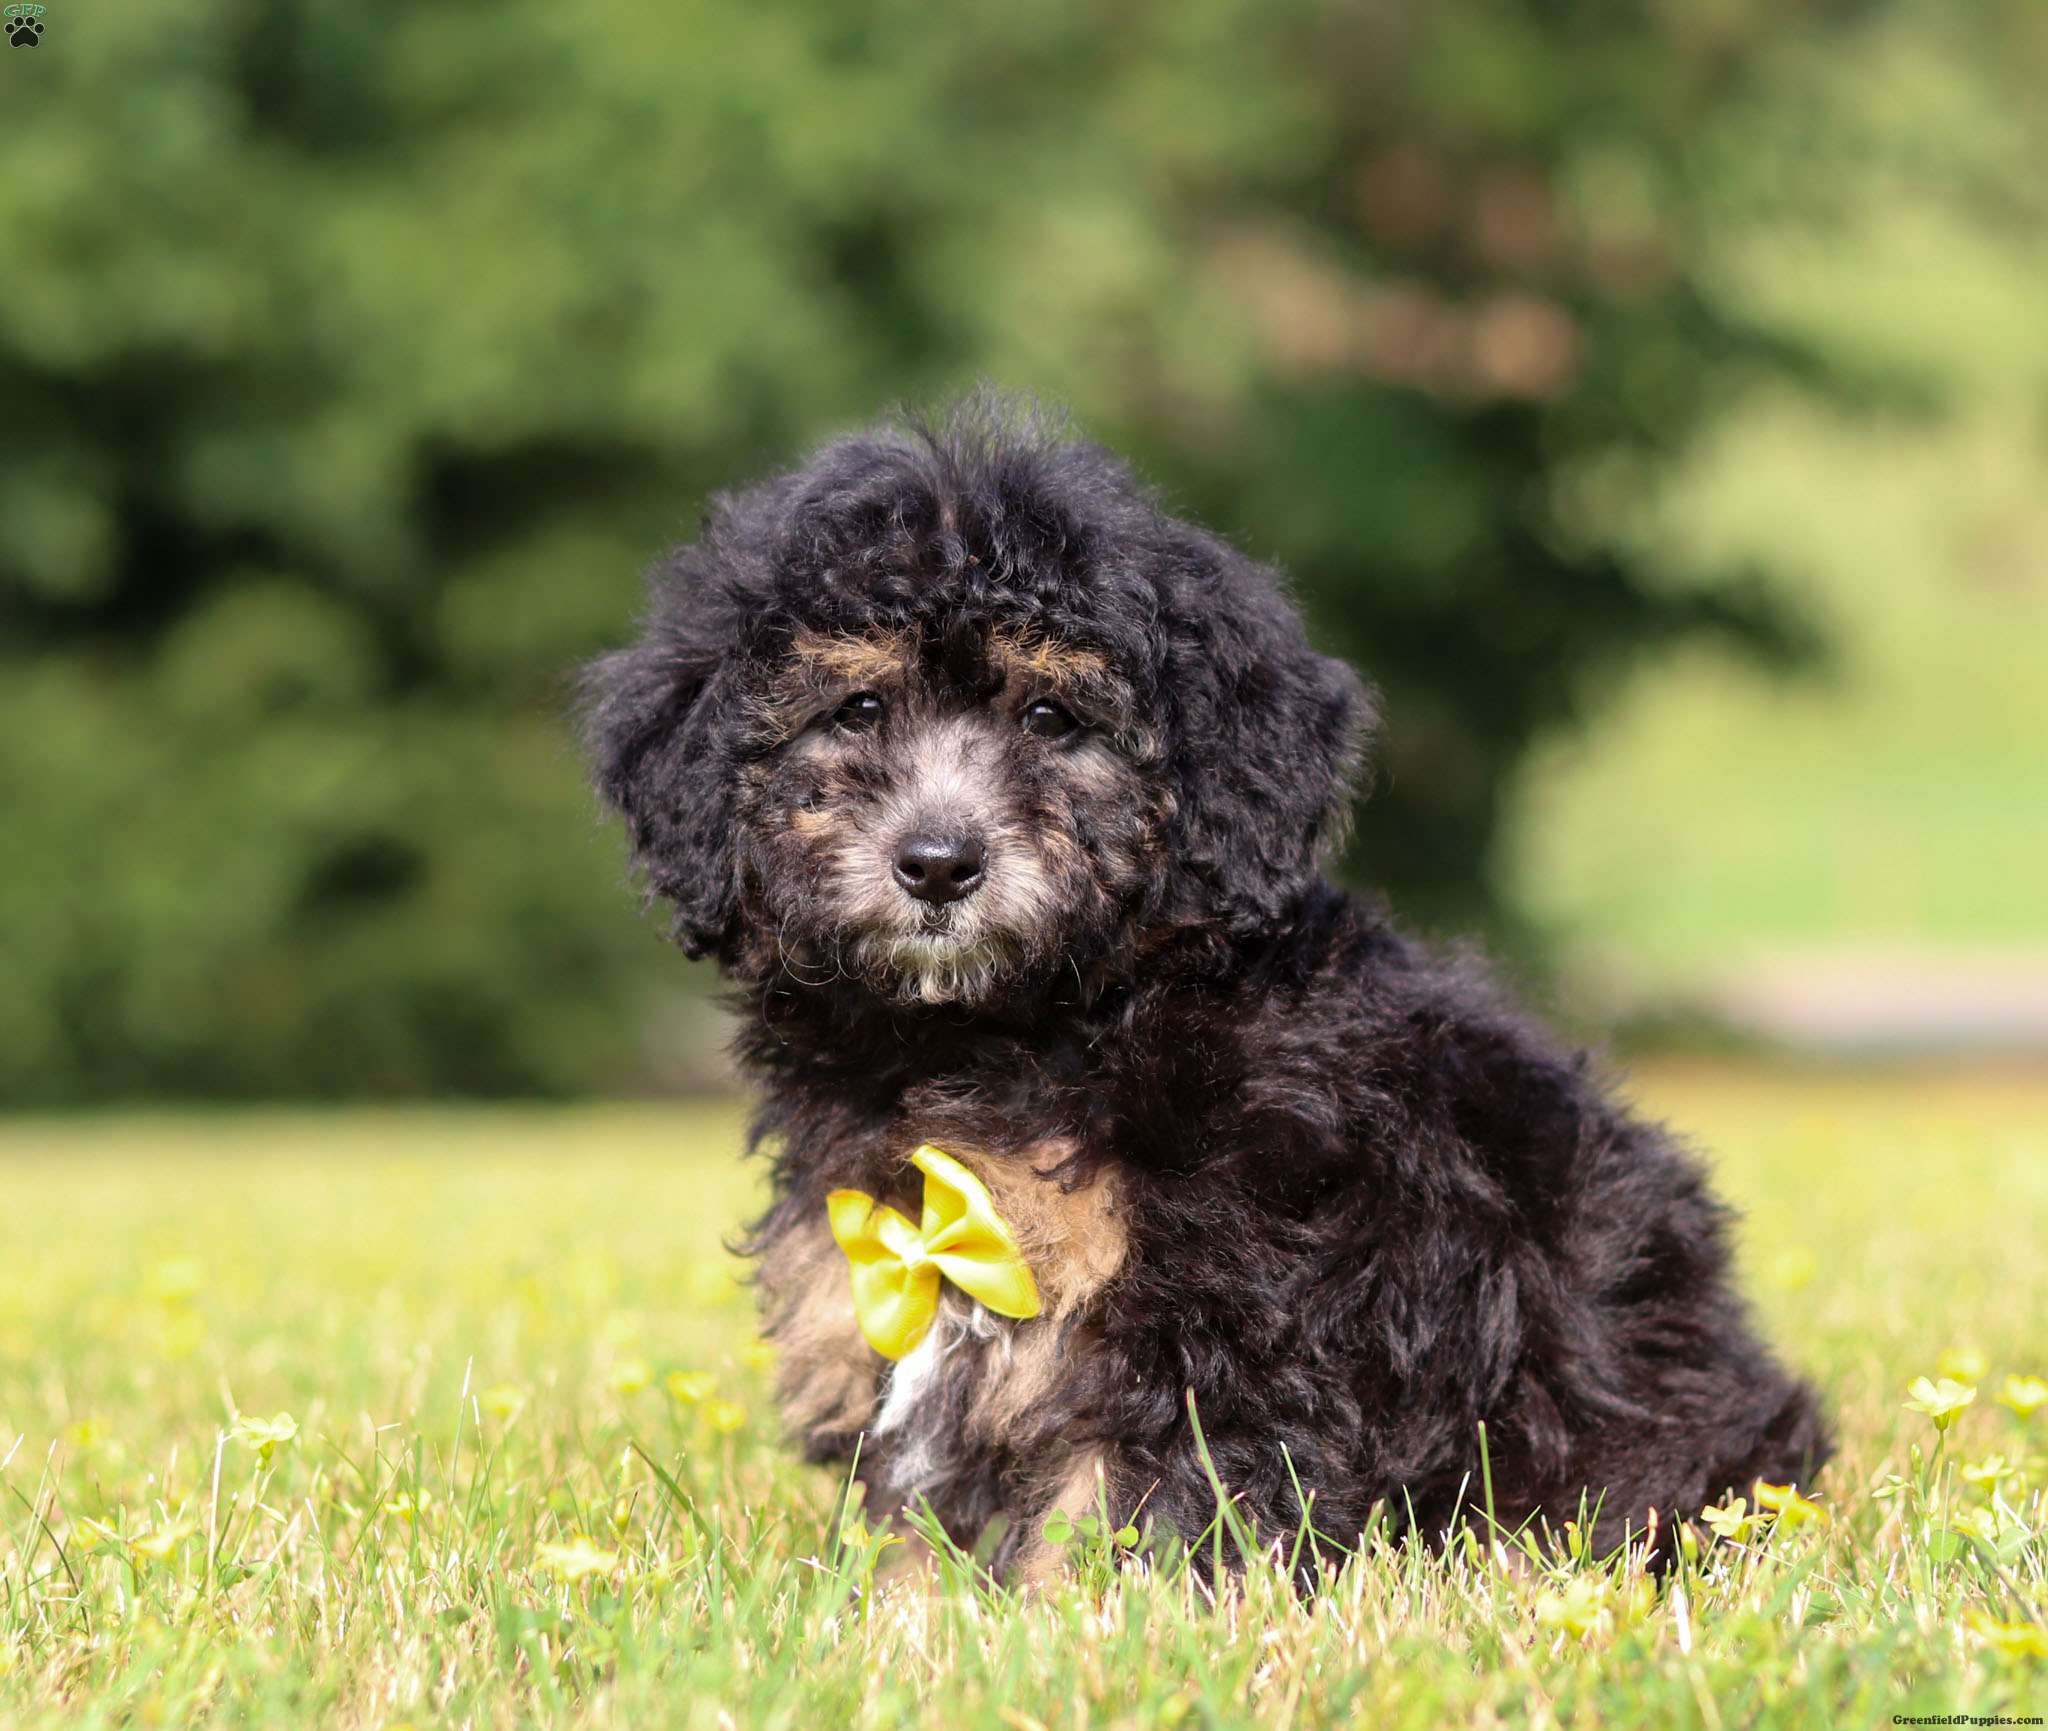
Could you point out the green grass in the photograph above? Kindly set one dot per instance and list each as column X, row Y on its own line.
column 473, row 1316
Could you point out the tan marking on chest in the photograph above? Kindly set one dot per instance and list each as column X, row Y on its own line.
column 1074, row 1240
column 829, row 1377
column 1075, row 1243
column 1015, row 1386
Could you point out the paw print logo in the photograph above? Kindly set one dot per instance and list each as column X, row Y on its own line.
column 24, row 25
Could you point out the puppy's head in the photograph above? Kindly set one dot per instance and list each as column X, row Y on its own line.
column 955, row 711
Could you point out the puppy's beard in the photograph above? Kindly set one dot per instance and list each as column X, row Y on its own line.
column 935, row 965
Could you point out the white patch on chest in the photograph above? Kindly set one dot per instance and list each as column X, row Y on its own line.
column 958, row 1347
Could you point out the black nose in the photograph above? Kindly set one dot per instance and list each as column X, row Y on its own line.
column 938, row 868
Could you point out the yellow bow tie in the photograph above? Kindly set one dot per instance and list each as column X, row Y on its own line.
column 896, row 1266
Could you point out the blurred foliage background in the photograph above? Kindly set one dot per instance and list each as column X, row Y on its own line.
column 1678, row 366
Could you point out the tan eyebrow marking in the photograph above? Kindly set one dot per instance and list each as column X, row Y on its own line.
column 819, row 669
column 823, row 666
column 1033, row 657
column 854, row 658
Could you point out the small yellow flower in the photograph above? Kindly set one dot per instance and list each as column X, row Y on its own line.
column 1963, row 1364
column 177, row 1280
column 690, row 1386
column 502, row 1400
column 574, row 1560
column 183, row 1333
column 855, row 1536
column 622, row 1329
column 1730, row 1520
column 145, row 1546
column 265, row 1435
column 1988, row 1471
column 407, row 1507
column 2024, row 1395
column 1981, row 1522
column 157, row 1546
column 759, row 1356
column 1788, row 1507
column 591, row 1276
column 630, row 1376
column 2009, row 1640
column 1941, row 1401
column 1583, row 1608
column 725, row 1416
column 1794, row 1267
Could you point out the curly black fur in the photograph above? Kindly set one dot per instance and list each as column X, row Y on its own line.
column 1367, row 1204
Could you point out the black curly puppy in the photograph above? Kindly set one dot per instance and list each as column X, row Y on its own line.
column 1000, row 795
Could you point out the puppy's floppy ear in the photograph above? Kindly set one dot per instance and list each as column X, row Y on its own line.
column 661, row 723
column 1267, row 738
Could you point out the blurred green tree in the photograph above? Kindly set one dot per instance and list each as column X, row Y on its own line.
column 355, row 360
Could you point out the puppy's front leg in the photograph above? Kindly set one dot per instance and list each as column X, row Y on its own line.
column 1081, row 1488
column 827, row 1374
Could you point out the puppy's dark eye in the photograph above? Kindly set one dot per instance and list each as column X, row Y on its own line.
column 1047, row 719
column 858, row 713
